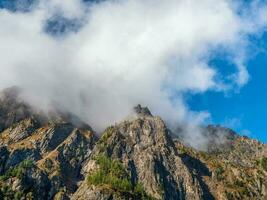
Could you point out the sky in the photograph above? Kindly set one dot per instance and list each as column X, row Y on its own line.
column 190, row 62
column 243, row 110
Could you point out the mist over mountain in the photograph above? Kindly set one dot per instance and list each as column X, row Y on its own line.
column 58, row 156
column 94, row 101
column 98, row 59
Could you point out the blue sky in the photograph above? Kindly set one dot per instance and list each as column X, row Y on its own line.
column 242, row 108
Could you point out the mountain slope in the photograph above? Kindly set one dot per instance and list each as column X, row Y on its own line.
column 147, row 151
column 40, row 156
column 236, row 172
column 52, row 156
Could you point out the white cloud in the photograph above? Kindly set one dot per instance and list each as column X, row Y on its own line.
column 127, row 52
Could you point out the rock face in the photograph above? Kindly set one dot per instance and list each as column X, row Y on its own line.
column 142, row 111
column 146, row 149
column 56, row 147
column 56, row 157
column 238, row 171
column 11, row 109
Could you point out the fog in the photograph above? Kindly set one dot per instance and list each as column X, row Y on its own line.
column 126, row 52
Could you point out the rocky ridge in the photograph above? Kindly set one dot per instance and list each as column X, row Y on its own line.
column 52, row 157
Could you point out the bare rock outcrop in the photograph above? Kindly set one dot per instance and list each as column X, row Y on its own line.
column 146, row 149
column 58, row 156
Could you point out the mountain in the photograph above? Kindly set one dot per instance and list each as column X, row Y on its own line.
column 58, row 156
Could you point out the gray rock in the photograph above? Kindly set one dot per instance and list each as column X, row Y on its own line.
column 148, row 152
column 18, row 155
column 55, row 136
column 142, row 111
column 3, row 158
column 23, row 129
column 12, row 109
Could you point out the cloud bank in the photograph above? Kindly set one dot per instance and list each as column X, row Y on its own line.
column 126, row 52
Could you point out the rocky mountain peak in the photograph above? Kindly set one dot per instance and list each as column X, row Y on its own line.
column 12, row 109
column 60, row 157
column 219, row 138
column 150, row 157
column 142, row 111
column 10, row 94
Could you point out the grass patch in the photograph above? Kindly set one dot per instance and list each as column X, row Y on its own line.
column 264, row 163
column 107, row 133
column 18, row 171
column 112, row 174
column 219, row 171
column 6, row 192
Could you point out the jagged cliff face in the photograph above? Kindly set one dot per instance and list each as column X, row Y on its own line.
column 40, row 156
column 52, row 157
column 146, row 149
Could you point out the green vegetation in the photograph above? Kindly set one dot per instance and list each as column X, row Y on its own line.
column 219, row 173
column 112, row 174
column 102, row 142
column 229, row 195
column 239, row 183
column 6, row 192
column 139, row 189
column 18, row 171
column 204, row 155
column 264, row 163
column 107, row 133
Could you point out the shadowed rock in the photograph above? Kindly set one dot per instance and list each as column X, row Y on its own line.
column 62, row 149
column 142, row 111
